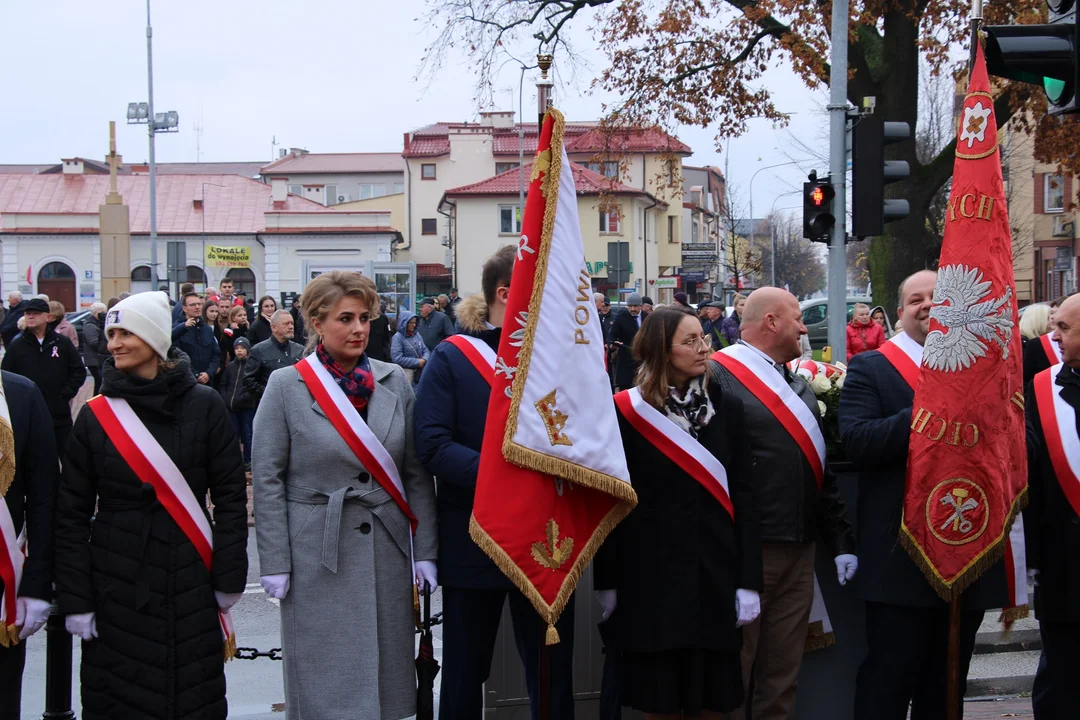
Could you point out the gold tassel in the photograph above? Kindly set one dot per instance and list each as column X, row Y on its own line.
column 230, row 647
column 552, row 636
column 818, row 642
column 5, row 640
column 1010, row 615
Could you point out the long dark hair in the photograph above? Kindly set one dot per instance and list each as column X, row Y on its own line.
column 652, row 346
column 264, row 298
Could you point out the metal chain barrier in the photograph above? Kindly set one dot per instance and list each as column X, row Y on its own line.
column 246, row 653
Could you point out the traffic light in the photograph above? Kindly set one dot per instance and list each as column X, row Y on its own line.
column 1043, row 55
column 817, row 216
column 871, row 172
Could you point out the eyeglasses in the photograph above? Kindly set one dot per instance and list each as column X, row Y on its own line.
column 697, row 341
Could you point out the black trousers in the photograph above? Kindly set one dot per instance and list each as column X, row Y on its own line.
column 12, row 660
column 905, row 661
column 61, row 432
column 1053, row 697
column 470, row 623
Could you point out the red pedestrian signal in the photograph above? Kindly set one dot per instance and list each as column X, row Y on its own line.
column 818, row 218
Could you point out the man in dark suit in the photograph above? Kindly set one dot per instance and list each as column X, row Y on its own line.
column 621, row 335
column 31, row 475
column 906, row 622
column 1052, row 521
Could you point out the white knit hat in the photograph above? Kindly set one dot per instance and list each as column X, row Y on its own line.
column 146, row 315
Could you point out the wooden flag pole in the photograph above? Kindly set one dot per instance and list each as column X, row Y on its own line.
column 952, row 688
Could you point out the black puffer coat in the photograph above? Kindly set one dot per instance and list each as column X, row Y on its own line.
column 159, row 649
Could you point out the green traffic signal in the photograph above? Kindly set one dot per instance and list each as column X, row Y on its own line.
column 1056, row 90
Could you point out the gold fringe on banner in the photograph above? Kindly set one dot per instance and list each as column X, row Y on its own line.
column 817, row 638
column 230, row 647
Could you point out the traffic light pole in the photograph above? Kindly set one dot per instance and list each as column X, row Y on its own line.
column 837, row 304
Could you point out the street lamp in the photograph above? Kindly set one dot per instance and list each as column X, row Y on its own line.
column 772, row 232
column 143, row 113
column 767, row 167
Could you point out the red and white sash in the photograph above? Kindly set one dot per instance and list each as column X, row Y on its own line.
column 11, row 568
column 1016, row 574
column 905, row 355
column 768, row 386
column 1051, row 348
column 477, row 352
column 355, row 432
column 676, row 444
column 1059, row 428
column 152, row 465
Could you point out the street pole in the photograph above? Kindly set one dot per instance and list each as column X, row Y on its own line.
column 153, row 167
column 837, row 305
column 767, row 167
column 58, row 654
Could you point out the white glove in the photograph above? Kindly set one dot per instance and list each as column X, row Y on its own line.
column 846, row 565
column 30, row 615
column 426, row 574
column 747, row 606
column 609, row 600
column 226, row 600
column 83, row 625
column 276, row 586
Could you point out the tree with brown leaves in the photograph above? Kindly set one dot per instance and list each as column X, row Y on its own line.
column 700, row 62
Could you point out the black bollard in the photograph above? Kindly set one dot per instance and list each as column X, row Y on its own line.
column 57, row 669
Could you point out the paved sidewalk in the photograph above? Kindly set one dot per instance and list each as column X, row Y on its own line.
column 998, row 708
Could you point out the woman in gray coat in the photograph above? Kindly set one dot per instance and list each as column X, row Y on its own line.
column 334, row 544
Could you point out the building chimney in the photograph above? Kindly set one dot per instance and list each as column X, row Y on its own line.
column 282, row 153
column 279, row 190
column 73, row 166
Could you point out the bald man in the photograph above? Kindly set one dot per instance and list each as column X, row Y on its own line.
column 798, row 498
column 906, row 622
column 1052, row 518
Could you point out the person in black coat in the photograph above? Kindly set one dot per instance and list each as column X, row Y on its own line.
column 9, row 328
column 449, row 417
column 298, row 321
column 30, row 475
column 1052, row 531
column 906, row 622
column 95, row 345
column 51, row 362
column 621, row 336
column 240, row 403
column 136, row 590
column 379, row 336
column 196, row 338
column 260, row 327
column 675, row 606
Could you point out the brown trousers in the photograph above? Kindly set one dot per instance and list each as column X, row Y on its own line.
column 773, row 644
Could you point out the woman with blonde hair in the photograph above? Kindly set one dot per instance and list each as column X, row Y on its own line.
column 675, row 607
column 1040, row 351
column 344, row 514
column 1035, row 322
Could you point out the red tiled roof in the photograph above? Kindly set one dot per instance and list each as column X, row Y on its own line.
column 586, row 181
column 627, row 140
column 434, row 140
column 237, row 207
column 318, row 163
column 431, row 271
column 427, row 147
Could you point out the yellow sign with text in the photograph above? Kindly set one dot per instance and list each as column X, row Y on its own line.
column 227, row 257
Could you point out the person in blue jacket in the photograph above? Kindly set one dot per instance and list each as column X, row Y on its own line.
column 407, row 348
column 196, row 339
column 451, row 410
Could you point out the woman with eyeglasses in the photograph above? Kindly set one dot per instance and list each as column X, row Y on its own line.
column 681, row 574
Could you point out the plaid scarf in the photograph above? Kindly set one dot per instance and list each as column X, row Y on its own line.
column 357, row 385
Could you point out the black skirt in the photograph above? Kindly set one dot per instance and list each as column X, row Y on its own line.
column 685, row 682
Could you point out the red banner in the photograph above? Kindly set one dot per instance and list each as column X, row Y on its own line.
column 967, row 459
column 553, row 480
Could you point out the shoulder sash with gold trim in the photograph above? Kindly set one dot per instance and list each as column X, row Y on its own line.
column 677, row 445
column 477, row 352
column 12, row 560
column 354, row 431
column 152, row 465
column 1059, row 428
column 768, row 386
column 905, row 355
column 1051, row 348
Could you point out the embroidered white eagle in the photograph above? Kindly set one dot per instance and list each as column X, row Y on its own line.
column 972, row 323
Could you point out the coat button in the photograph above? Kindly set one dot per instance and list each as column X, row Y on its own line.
column 363, row 477
column 365, row 528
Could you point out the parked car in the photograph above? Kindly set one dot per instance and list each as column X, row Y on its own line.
column 815, row 316
column 77, row 319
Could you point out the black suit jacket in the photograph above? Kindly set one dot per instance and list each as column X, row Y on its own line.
column 1051, row 526
column 31, row 499
column 623, row 330
column 1035, row 359
column 875, row 424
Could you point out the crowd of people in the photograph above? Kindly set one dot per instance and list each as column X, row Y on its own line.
column 363, row 440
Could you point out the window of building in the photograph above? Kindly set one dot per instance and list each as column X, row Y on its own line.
column 297, row 190
column 501, row 167
column 427, row 171
column 509, row 219
column 1053, row 193
column 609, row 168
column 429, row 226
column 399, row 188
column 332, row 195
column 671, row 229
column 609, row 221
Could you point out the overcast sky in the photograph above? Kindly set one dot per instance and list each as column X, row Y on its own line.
column 335, row 76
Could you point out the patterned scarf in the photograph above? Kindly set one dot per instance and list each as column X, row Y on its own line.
column 357, row 385
column 692, row 410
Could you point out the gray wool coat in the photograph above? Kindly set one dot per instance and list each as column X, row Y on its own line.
column 347, row 625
